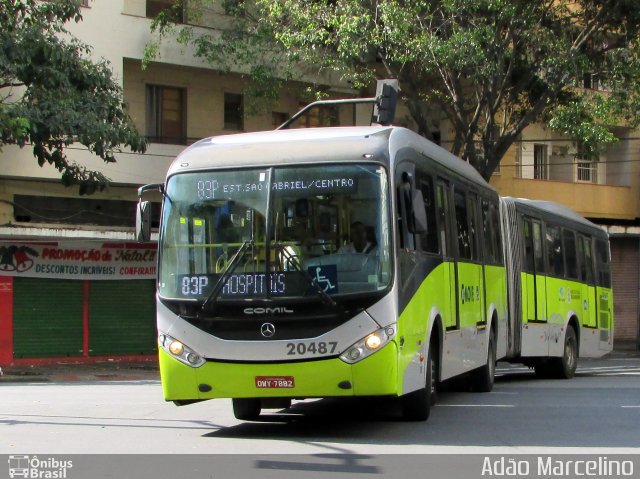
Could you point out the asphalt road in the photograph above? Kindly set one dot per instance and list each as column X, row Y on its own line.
column 597, row 412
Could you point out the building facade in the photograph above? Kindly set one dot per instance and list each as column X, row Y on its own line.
column 73, row 283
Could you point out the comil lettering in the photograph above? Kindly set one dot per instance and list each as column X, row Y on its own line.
column 274, row 310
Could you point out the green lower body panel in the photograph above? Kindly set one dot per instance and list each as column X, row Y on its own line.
column 374, row 376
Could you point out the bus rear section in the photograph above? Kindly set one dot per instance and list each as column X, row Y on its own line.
column 559, row 280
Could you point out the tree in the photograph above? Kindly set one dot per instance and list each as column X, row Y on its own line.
column 492, row 67
column 52, row 95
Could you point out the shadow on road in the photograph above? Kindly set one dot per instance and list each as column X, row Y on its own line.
column 546, row 415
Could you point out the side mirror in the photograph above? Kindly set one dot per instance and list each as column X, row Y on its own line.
column 143, row 221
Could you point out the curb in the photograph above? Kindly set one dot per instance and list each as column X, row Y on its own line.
column 74, row 372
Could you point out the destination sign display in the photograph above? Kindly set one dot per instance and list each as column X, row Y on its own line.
column 224, row 187
column 242, row 285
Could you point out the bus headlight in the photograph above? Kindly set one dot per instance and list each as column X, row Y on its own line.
column 373, row 341
column 180, row 351
column 368, row 345
column 176, row 348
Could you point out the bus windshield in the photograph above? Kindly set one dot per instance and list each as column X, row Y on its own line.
column 328, row 229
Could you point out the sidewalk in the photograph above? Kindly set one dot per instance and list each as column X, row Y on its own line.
column 109, row 370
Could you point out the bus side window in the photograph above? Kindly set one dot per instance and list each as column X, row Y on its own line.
column 537, row 248
column 528, row 245
column 497, row 233
column 462, row 224
column 603, row 263
column 587, row 263
column 581, row 259
column 474, row 231
column 442, row 201
column 490, row 254
column 569, row 243
column 555, row 261
column 428, row 240
column 405, row 238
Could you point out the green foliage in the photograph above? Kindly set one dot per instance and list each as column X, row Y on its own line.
column 54, row 96
column 492, row 67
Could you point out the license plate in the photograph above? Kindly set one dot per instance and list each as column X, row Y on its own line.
column 274, row 382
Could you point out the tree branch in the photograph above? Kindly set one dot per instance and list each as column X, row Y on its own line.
column 11, row 84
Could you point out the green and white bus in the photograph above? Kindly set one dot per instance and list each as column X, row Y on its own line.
column 559, row 277
column 359, row 261
column 264, row 296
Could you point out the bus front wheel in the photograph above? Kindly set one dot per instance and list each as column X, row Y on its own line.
column 416, row 406
column 246, row 409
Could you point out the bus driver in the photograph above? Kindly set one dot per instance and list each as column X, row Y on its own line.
column 360, row 242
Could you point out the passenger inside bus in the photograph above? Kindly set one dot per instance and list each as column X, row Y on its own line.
column 362, row 240
column 226, row 230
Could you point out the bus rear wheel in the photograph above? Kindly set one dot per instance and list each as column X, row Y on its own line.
column 482, row 379
column 565, row 367
column 246, row 409
column 416, row 406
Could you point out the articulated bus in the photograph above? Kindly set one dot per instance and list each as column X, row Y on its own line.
column 559, row 286
column 361, row 261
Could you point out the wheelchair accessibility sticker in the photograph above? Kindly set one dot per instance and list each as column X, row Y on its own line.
column 326, row 277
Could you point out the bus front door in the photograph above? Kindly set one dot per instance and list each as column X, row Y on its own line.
column 589, row 299
column 444, row 230
column 540, row 277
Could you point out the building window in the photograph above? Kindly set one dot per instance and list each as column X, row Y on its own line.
column 540, row 162
column 166, row 114
column 518, row 160
column 586, row 166
column 586, row 171
column 174, row 8
column 233, row 111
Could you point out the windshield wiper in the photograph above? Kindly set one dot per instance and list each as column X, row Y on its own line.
column 291, row 259
column 231, row 267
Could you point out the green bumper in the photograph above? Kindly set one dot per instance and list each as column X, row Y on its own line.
column 375, row 375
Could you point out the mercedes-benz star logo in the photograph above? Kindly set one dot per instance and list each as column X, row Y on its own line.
column 267, row 330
